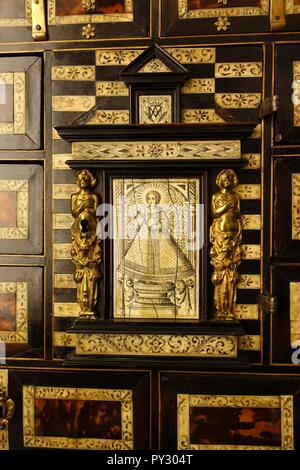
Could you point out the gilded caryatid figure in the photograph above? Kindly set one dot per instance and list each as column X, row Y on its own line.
column 225, row 237
column 8, row 407
column 86, row 249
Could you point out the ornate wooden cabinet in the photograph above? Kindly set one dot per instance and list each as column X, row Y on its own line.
column 119, row 118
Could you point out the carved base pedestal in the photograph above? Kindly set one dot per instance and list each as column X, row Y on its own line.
column 160, row 344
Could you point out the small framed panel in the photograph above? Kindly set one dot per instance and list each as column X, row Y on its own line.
column 286, row 323
column 81, row 411
column 156, row 263
column 287, row 208
column 251, row 413
column 287, row 87
column 20, row 103
column 21, row 311
column 80, row 19
column 21, row 209
column 195, row 17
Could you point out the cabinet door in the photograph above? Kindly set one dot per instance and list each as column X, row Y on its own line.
column 229, row 412
column 195, row 17
column 287, row 86
column 286, row 322
column 85, row 410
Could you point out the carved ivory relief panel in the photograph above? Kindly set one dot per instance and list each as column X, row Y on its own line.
column 156, row 268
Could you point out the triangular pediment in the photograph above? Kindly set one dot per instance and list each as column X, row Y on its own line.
column 153, row 60
column 154, row 66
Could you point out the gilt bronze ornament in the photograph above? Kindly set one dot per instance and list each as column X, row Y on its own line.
column 226, row 251
column 86, row 250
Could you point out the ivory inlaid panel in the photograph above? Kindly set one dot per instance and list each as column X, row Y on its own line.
column 249, row 342
column 215, row 422
column 238, row 100
column 155, row 109
column 246, row 312
column 69, row 103
column 296, row 94
column 251, row 251
column 157, row 345
column 109, row 116
column 156, row 150
column 295, row 314
column 238, row 69
column 249, row 281
column 295, row 206
column 251, row 222
column 193, row 55
column 62, row 221
column 292, row 7
column 154, row 65
column 254, row 161
column 156, row 266
column 73, row 410
column 116, row 57
column 249, row 191
column 198, row 85
column 111, row 88
column 198, row 116
column 74, row 72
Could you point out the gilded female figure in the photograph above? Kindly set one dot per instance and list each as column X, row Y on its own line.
column 225, row 236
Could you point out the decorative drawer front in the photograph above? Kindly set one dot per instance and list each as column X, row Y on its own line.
column 287, row 86
column 97, row 19
column 228, row 412
column 195, row 17
column 21, row 312
column 20, row 103
column 286, row 323
column 21, row 209
column 81, row 411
